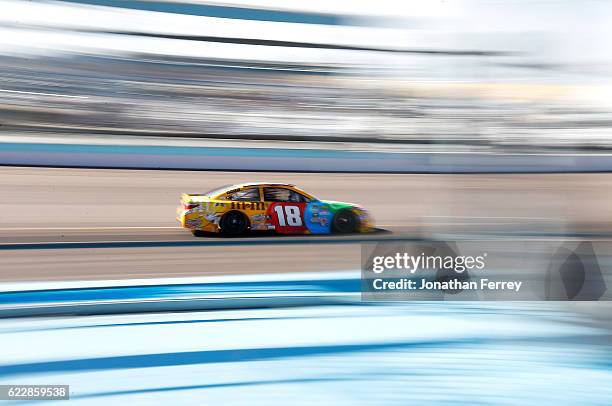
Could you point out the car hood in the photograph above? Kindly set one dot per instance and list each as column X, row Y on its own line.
column 340, row 205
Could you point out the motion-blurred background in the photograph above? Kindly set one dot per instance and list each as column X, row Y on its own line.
column 379, row 103
column 479, row 73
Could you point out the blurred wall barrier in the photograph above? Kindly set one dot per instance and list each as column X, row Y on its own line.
column 303, row 160
column 478, row 73
column 487, row 270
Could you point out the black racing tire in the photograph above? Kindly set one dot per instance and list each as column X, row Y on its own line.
column 345, row 222
column 234, row 223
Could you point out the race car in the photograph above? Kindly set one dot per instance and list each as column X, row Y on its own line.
column 282, row 207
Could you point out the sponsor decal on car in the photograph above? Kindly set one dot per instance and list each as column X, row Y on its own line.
column 194, row 222
column 248, row 206
column 318, row 218
column 212, row 217
column 258, row 218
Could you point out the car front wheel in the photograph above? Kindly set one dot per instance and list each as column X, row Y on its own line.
column 345, row 222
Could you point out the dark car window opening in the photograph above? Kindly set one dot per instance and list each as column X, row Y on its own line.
column 251, row 195
column 277, row 194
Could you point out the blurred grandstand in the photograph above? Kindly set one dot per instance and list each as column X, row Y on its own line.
column 475, row 73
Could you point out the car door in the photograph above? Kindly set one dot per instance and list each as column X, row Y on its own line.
column 285, row 209
column 248, row 201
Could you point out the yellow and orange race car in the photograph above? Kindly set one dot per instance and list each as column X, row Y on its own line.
column 284, row 208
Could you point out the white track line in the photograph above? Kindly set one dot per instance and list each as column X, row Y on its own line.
column 263, row 277
column 44, row 94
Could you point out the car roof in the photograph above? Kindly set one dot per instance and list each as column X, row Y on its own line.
column 241, row 185
column 227, row 188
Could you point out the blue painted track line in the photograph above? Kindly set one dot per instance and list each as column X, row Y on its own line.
column 218, row 11
column 177, row 291
column 164, row 296
column 199, row 243
column 296, row 240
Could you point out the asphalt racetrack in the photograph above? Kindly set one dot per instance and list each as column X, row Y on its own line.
column 128, row 216
column 117, row 224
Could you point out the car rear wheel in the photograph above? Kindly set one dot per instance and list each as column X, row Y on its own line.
column 345, row 222
column 234, row 223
